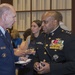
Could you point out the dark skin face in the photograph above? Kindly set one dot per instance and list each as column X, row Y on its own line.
column 48, row 22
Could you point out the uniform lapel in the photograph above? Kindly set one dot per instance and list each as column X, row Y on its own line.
column 8, row 44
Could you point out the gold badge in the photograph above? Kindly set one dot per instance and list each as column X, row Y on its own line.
column 57, row 44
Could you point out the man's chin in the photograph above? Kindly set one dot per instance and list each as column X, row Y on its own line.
column 10, row 27
column 44, row 31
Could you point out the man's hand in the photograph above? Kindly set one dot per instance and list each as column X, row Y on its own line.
column 36, row 66
column 45, row 68
column 19, row 52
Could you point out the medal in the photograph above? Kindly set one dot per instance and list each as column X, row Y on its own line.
column 57, row 44
column 45, row 53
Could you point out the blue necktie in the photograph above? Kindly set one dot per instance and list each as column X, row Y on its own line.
column 7, row 36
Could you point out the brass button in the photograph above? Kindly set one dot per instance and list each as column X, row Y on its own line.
column 62, row 30
column 52, row 34
column 46, row 45
column 44, row 60
column 45, row 53
column 49, row 38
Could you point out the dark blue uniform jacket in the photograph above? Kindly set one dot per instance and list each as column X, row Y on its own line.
column 7, row 66
column 58, row 49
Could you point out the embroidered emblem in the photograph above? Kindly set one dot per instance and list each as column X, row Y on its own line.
column 55, row 57
column 57, row 44
column 4, row 55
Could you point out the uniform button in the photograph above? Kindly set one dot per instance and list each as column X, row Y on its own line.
column 55, row 50
column 52, row 34
column 46, row 45
column 62, row 30
column 44, row 60
column 45, row 53
column 49, row 38
column 37, row 48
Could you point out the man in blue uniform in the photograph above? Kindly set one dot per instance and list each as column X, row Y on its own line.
column 55, row 48
column 7, row 18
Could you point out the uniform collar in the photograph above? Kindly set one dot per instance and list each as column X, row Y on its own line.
column 2, row 30
column 57, row 31
column 54, row 29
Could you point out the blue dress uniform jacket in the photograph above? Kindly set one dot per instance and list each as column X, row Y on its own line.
column 7, row 66
column 58, row 49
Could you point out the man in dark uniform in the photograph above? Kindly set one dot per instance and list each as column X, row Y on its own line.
column 55, row 48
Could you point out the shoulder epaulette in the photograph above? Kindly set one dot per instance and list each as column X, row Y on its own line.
column 66, row 31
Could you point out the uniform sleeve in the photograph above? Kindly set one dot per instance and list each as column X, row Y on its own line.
column 27, row 41
column 67, row 67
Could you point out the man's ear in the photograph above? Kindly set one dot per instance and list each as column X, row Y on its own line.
column 55, row 22
column 3, row 17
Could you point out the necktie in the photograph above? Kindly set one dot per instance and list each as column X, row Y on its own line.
column 7, row 36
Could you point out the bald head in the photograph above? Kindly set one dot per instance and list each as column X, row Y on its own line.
column 50, row 21
column 5, row 7
column 59, row 16
column 7, row 15
column 52, row 14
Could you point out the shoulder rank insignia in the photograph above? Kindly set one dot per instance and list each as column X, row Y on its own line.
column 66, row 31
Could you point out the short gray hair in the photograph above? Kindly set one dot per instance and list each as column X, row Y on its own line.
column 4, row 7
